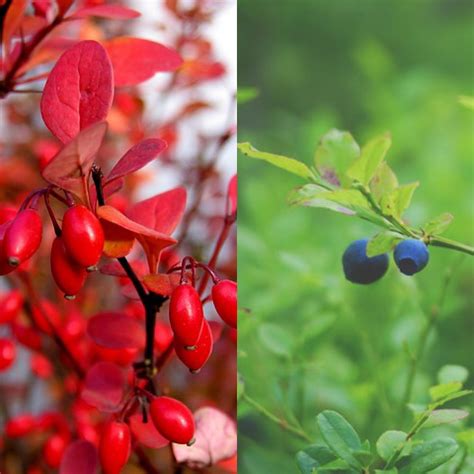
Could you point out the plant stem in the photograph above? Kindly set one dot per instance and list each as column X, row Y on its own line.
column 437, row 241
column 432, row 317
column 228, row 221
column 279, row 421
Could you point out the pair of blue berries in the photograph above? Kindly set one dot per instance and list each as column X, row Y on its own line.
column 410, row 255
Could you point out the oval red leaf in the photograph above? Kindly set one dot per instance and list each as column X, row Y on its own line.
column 80, row 457
column 216, row 439
column 79, row 90
column 74, row 161
column 162, row 212
column 137, row 157
column 116, row 331
column 232, row 196
column 146, row 433
column 104, row 387
column 114, row 12
column 135, row 60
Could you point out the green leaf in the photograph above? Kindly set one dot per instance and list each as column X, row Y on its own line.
column 387, row 471
column 275, row 339
column 398, row 201
column 246, row 94
column 429, row 455
column 334, row 154
column 289, row 164
column 452, row 373
column 364, row 456
column 373, row 153
column 439, row 224
column 438, row 392
column 338, row 466
column 340, row 436
column 382, row 243
column 439, row 417
column 466, row 101
column 452, row 396
column 389, row 443
column 383, row 182
column 312, row 457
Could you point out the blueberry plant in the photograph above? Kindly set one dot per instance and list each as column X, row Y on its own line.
column 114, row 314
column 358, row 182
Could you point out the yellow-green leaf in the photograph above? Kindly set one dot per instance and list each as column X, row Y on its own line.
column 289, row 164
column 396, row 202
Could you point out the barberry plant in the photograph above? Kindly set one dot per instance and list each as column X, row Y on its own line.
column 113, row 312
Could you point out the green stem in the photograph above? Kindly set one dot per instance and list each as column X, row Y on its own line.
column 279, row 421
column 437, row 241
column 430, row 323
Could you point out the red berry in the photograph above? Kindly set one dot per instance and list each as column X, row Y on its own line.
column 68, row 275
column 20, row 425
column 186, row 314
column 53, row 450
column 7, row 213
column 196, row 358
column 10, row 306
column 173, row 419
column 7, row 353
column 41, row 366
column 115, row 447
column 224, row 296
column 5, row 268
column 27, row 336
column 46, row 316
column 83, row 235
column 23, row 237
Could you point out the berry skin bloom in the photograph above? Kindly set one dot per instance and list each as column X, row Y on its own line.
column 411, row 256
column 358, row 268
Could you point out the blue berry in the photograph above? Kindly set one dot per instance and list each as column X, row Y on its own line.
column 411, row 256
column 358, row 268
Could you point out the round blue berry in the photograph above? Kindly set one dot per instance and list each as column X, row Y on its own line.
column 358, row 268
column 411, row 256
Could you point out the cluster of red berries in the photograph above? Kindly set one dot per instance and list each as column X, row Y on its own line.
column 173, row 420
column 193, row 340
column 75, row 251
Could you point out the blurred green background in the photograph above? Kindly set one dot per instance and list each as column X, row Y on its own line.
column 309, row 340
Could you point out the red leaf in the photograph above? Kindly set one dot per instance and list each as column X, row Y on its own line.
column 104, row 386
column 115, row 12
column 74, row 161
column 161, row 283
column 115, row 269
column 137, row 157
column 232, row 196
column 146, row 433
column 12, row 20
column 80, row 457
column 63, row 5
column 118, row 241
column 79, row 90
column 116, row 331
column 152, row 241
column 135, row 60
column 216, row 439
column 162, row 212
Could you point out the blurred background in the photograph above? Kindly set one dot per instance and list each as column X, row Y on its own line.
column 317, row 341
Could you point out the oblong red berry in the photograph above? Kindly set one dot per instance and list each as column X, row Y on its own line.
column 7, row 353
column 114, row 447
column 10, row 306
column 23, row 237
column 173, row 419
column 5, row 267
column 68, row 275
column 186, row 314
column 20, row 425
column 224, row 297
column 194, row 360
column 53, row 450
column 83, row 235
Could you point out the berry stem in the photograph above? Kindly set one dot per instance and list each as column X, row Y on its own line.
column 57, row 228
column 151, row 301
column 228, row 221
